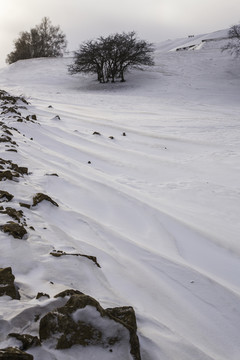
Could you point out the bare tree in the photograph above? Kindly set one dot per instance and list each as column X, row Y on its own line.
column 44, row 40
column 233, row 45
column 112, row 56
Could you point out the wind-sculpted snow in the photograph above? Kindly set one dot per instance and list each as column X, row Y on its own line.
column 155, row 198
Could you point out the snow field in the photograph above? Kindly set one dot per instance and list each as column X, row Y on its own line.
column 159, row 207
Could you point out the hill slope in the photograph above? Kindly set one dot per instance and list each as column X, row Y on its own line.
column 159, row 207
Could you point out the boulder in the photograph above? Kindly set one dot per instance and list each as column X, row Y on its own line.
column 82, row 321
column 7, row 286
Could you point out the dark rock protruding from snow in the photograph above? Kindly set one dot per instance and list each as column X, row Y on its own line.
column 5, row 196
column 58, row 253
column 82, row 321
column 16, row 230
column 27, row 341
column 13, row 213
column 7, row 286
column 39, row 197
column 40, row 294
column 11, row 353
column 126, row 314
column 68, row 292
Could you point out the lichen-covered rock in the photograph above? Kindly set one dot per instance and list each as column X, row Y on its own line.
column 82, row 321
column 7, row 286
column 27, row 340
column 11, row 353
column 39, row 197
column 16, row 230
column 5, row 196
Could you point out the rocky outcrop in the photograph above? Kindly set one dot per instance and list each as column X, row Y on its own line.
column 16, row 230
column 11, row 353
column 7, row 286
column 39, row 197
column 82, row 321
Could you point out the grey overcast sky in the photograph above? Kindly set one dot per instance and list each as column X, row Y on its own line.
column 153, row 20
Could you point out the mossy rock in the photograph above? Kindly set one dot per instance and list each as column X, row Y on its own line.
column 126, row 314
column 11, row 353
column 16, row 230
column 60, row 323
column 27, row 340
column 39, row 197
column 7, row 286
column 82, row 321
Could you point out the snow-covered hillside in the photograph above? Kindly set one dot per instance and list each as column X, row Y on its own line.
column 155, row 197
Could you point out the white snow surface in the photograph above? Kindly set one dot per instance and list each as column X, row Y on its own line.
column 159, row 207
